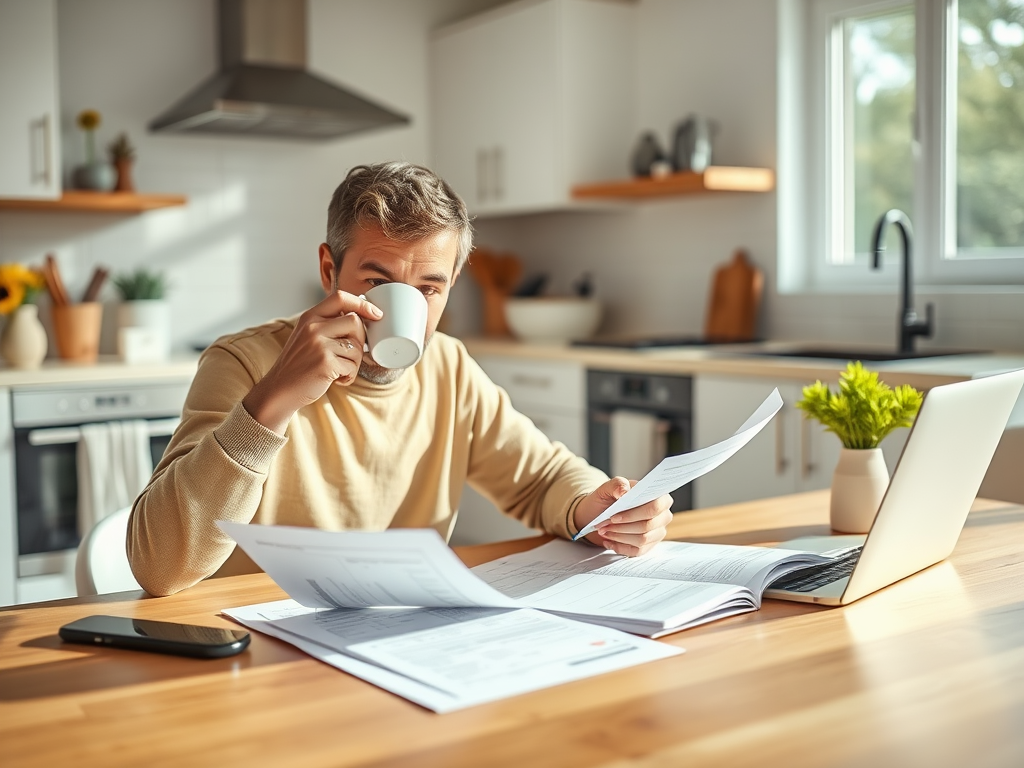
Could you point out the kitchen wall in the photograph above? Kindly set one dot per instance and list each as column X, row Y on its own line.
column 653, row 264
column 244, row 248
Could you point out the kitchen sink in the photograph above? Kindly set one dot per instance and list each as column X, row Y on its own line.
column 869, row 355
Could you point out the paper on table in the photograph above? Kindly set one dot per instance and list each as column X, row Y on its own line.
column 355, row 569
column 676, row 471
column 446, row 659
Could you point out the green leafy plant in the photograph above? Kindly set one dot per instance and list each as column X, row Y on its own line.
column 141, row 285
column 864, row 410
column 121, row 148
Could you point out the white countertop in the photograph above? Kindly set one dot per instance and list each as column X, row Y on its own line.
column 727, row 360
column 107, row 369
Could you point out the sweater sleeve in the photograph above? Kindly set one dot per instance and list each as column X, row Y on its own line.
column 213, row 469
column 517, row 467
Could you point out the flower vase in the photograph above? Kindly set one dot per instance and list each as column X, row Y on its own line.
column 100, row 177
column 858, row 485
column 23, row 341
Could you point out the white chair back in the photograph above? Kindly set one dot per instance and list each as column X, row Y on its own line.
column 102, row 562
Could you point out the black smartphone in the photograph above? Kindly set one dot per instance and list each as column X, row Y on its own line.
column 156, row 636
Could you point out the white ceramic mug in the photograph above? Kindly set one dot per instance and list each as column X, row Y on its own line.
column 396, row 340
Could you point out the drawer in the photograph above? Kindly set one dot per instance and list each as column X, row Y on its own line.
column 567, row 428
column 548, row 384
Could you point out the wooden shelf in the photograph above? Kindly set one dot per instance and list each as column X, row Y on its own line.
column 96, row 202
column 717, row 178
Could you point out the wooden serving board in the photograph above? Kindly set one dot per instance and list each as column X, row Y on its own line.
column 734, row 301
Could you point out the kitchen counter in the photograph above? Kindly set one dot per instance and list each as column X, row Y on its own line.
column 922, row 373
column 106, row 369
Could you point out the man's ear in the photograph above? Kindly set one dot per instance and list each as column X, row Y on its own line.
column 327, row 277
column 455, row 276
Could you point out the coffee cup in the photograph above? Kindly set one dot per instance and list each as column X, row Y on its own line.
column 396, row 340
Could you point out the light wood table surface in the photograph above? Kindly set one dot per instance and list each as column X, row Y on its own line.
column 928, row 672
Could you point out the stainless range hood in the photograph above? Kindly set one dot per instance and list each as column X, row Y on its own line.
column 263, row 87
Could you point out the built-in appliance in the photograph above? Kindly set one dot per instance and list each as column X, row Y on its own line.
column 263, row 87
column 39, row 434
column 667, row 398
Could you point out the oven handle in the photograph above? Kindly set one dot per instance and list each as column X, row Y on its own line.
column 59, row 435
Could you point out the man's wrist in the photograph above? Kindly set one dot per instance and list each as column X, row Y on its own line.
column 264, row 406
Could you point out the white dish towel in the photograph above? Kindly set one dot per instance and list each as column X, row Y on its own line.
column 114, row 465
column 638, row 443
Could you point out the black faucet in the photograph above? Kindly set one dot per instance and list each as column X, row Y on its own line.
column 909, row 324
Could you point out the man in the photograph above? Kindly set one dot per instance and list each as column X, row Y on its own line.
column 291, row 423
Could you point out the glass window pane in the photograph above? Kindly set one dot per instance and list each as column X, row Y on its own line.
column 990, row 127
column 879, row 121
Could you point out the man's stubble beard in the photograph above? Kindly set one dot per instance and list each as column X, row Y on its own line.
column 378, row 374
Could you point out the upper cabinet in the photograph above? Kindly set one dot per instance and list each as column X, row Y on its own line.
column 29, row 129
column 532, row 99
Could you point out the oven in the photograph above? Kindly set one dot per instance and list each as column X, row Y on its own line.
column 39, row 433
column 663, row 402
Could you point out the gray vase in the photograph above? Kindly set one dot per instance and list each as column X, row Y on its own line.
column 98, row 176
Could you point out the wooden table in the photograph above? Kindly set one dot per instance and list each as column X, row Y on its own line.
column 929, row 672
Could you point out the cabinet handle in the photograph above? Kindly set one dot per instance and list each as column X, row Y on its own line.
column 531, row 381
column 807, row 465
column 781, row 463
column 499, row 173
column 482, row 162
column 42, row 151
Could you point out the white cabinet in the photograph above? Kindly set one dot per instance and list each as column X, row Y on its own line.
column 553, row 395
column 29, row 130
column 791, row 454
column 532, row 98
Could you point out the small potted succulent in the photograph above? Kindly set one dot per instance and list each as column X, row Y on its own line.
column 144, row 307
column 122, row 155
column 861, row 414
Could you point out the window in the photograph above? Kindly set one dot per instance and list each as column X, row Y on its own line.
column 910, row 105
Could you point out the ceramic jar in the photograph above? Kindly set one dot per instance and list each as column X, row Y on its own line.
column 23, row 341
column 858, row 485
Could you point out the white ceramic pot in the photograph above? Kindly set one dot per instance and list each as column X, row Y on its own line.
column 858, row 486
column 153, row 315
column 23, row 342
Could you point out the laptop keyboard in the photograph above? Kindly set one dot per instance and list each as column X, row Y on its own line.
column 810, row 579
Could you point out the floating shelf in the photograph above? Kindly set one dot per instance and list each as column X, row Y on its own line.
column 96, row 202
column 717, row 178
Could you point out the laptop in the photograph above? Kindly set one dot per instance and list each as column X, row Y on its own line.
column 925, row 506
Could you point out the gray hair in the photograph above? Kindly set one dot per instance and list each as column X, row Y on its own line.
column 408, row 202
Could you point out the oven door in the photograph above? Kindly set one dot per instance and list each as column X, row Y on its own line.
column 46, row 482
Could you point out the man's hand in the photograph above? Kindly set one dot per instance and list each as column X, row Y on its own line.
column 631, row 532
column 326, row 346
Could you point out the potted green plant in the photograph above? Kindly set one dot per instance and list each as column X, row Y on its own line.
column 861, row 414
column 144, row 318
column 122, row 155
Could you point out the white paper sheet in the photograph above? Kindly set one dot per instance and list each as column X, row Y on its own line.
column 355, row 569
column 446, row 659
column 676, row 471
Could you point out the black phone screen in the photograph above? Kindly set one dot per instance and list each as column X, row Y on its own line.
column 161, row 636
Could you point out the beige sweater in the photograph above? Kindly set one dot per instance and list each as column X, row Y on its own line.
column 364, row 457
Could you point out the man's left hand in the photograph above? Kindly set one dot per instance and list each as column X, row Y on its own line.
column 631, row 532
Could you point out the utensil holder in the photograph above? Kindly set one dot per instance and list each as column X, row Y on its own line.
column 77, row 329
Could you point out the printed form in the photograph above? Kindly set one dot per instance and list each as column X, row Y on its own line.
column 676, row 471
column 463, row 643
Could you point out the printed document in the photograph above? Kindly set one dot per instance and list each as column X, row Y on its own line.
column 676, row 471
column 400, row 610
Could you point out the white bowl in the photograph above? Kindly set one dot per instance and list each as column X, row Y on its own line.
column 552, row 319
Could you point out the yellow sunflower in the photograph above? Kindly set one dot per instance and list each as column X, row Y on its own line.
column 88, row 119
column 17, row 283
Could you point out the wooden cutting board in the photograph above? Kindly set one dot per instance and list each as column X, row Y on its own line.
column 734, row 301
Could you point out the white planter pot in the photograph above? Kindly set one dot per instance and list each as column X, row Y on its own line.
column 23, row 341
column 858, row 486
column 153, row 339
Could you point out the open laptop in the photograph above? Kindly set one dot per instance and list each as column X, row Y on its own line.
column 925, row 506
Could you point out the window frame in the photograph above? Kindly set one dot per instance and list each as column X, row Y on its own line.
column 810, row 148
